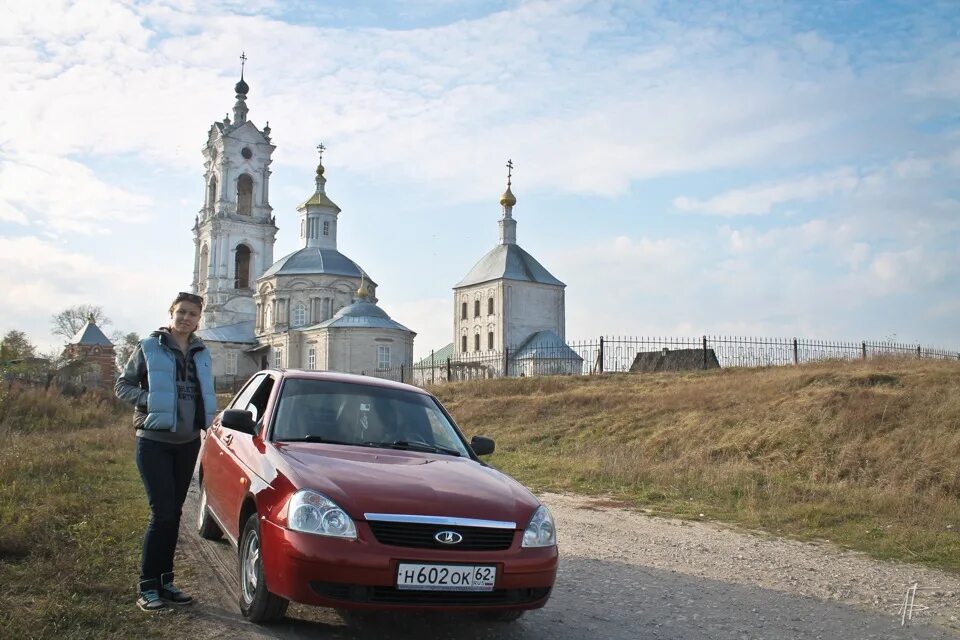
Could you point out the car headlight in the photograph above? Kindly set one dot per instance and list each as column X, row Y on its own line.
column 312, row 512
column 541, row 532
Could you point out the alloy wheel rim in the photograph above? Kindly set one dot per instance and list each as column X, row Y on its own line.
column 249, row 566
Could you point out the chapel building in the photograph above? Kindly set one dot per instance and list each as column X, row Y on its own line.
column 312, row 309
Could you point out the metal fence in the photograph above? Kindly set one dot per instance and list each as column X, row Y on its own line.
column 618, row 354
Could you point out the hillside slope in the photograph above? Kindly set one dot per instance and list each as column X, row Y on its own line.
column 866, row 454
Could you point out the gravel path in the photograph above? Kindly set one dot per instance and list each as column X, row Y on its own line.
column 625, row 575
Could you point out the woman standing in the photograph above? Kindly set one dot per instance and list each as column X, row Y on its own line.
column 169, row 381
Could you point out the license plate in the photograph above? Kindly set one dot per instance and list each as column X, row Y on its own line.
column 446, row 577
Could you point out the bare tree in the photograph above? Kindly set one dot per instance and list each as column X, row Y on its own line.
column 69, row 321
column 124, row 343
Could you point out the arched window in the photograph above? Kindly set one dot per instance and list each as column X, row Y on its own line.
column 463, row 312
column 463, row 343
column 241, row 267
column 476, row 342
column 490, row 306
column 204, row 265
column 490, row 340
column 244, row 195
column 299, row 315
column 476, row 308
column 212, row 192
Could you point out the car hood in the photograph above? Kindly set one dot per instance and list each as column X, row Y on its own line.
column 363, row 480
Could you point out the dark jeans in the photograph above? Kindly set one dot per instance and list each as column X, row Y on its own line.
column 166, row 470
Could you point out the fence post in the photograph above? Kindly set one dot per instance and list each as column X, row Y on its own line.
column 863, row 349
column 704, row 353
column 449, row 379
column 796, row 352
column 918, row 352
column 506, row 362
column 401, row 372
column 600, row 359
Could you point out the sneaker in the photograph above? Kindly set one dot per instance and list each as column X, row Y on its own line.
column 149, row 599
column 170, row 594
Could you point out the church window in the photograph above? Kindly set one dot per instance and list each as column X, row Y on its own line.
column 463, row 343
column 242, row 267
column 277, row 357
column 476, row 342
column 326, row 227
column 463, row 314
column 490, row 306
column 232, row 363
column 312, row 358
column 476, row 308
column 246, row 153
column 212, row 192
column 490, row 340
column 383, row 356
column 299, row 315
column 244, row 195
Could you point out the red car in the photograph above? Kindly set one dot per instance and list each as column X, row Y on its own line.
column 359, row 493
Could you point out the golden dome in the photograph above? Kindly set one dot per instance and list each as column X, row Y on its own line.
column 508, row 199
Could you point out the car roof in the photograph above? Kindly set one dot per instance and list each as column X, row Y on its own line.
column 350, row 378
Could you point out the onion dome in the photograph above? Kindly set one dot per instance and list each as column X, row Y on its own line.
column 241, row 87
column 508, row 199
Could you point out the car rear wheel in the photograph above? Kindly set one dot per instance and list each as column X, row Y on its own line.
column 207, row 527
column 256, row 603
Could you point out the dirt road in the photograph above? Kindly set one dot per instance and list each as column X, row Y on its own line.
column 625, row 575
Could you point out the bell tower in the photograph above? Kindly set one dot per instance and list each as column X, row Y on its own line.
column 235, row 230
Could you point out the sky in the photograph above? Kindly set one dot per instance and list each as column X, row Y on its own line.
column 771, row 169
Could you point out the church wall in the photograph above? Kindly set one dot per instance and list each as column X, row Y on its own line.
column 532, row 307
column 246, row 363
column 355, row 350
column 484, row 322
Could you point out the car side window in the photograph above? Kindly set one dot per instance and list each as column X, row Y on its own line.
column 254, row 396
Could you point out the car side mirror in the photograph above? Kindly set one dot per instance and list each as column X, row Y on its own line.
column 238, row 420
column 482, row 446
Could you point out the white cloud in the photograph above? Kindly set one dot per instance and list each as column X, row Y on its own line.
column 63, row 196
column 761, row 199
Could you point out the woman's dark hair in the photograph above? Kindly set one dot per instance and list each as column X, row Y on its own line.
column 185, row 296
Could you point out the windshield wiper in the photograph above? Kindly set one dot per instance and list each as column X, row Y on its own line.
column 315, row 439
column 406, row 445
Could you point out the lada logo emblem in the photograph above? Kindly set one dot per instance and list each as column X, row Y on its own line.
column 448, row 537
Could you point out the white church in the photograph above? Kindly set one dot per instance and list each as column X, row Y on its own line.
column 312, row 309
column 508, row 315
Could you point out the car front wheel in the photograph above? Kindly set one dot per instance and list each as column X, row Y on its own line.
column 256, row 603
column 207, row 527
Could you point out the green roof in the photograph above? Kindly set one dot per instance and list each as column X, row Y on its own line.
column 439, row 356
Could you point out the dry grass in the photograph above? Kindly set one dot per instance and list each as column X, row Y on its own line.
column 866, row 453
column 72, row 514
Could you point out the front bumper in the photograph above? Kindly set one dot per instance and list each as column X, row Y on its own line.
column 361, row 574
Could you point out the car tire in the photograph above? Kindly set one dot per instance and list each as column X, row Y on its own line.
column 207, row 527
column 256, row 602
column 503, row 616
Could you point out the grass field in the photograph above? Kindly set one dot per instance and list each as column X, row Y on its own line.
column 865, row 454
column 72, row 516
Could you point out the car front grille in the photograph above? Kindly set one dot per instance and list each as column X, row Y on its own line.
column 421, row 536
column 392, row 595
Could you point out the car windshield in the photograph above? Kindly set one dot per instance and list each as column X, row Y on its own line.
column 365, row 415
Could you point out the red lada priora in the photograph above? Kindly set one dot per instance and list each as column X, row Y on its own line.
column 359, row 493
